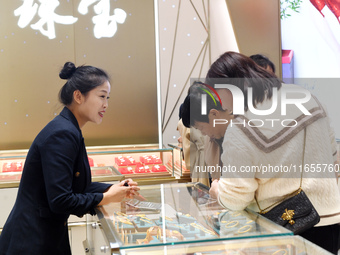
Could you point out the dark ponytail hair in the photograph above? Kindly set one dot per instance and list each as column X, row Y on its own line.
column 82, row 78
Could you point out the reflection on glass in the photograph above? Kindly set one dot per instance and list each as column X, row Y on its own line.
column 178, row 213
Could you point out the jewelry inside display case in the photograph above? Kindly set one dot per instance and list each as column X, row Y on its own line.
column 181, row 218
column 150, row 165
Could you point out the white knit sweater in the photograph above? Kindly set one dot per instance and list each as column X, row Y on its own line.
column 248, row 147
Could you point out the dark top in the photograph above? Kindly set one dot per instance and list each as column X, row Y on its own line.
column 56, row 182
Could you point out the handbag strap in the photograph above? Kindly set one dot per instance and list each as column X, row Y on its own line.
column 265, row 210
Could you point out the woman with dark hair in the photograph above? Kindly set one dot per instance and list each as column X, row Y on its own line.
column 264, row 139
column 56, row 179
column 264, row 62
column 223, row 71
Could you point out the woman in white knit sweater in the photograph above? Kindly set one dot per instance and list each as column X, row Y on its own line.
column 262, row 154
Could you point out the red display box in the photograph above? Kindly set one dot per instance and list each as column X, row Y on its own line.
column 12, row 167
column 158, row 168
column 125, row 170
column 125, row 161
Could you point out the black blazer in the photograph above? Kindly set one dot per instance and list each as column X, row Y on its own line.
column 55, row 183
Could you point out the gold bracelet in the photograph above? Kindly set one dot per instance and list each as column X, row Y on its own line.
column 228, row 224
column 244, row 231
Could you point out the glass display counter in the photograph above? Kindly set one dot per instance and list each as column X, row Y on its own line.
column 146, row 163
column 151, row 165
column 171, row 214
column 286, row 245
column 11, row 166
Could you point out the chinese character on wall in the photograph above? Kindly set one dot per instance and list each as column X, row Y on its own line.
column 105, row 25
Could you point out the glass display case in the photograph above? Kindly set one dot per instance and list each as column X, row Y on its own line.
column 171, row 214
column 180, row 170
column 12, row 163
column 283, row 245
column 144, row 163
column 147, row 163
column 11, row 166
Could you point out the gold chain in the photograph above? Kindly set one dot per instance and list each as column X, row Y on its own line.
column 265, row 210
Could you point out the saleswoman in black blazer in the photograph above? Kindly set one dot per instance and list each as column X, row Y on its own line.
column 56, row 179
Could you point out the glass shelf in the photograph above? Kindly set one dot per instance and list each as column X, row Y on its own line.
column 169, row 214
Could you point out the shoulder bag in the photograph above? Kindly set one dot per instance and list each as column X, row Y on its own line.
column 294, row 211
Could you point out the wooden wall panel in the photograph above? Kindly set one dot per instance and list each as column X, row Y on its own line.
column 30, row 63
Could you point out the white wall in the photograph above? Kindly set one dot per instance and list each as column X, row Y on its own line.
column 185, row 51
column 316, row 43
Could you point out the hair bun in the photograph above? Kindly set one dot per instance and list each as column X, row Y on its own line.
column 67, row 71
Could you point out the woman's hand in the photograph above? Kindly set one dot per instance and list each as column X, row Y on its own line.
column 133, row 192
column 214, row 189
column 119, row 191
